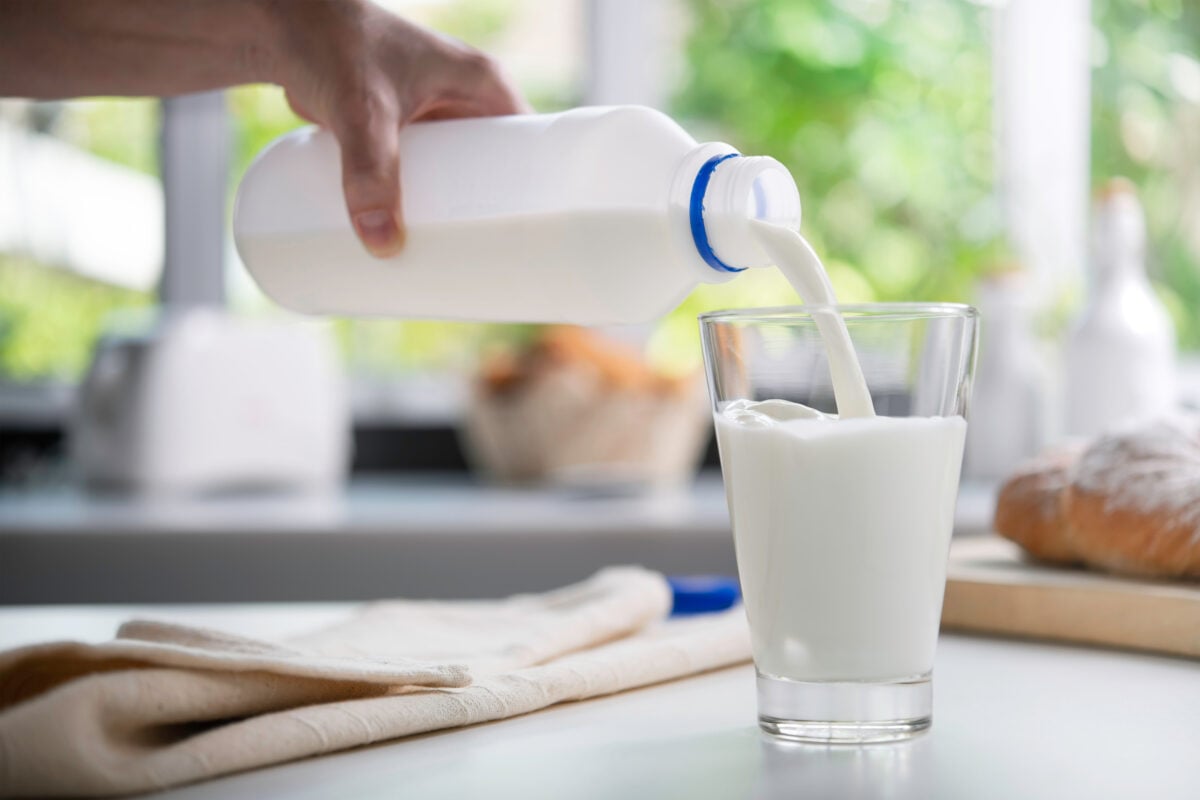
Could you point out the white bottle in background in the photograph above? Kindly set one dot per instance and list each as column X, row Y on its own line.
column 1120, row 355
column 591, row 216
column 1008, row 399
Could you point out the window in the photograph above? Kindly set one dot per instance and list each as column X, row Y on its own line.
column 80, row 228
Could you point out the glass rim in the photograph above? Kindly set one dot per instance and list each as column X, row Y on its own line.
column 895, row 312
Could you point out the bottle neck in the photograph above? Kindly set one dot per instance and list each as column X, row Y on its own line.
column 727, row 193
column 1118, row 243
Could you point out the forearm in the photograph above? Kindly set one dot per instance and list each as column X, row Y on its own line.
column 348, row 65
column 71, row 48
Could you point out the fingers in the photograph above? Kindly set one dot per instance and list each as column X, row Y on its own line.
column 472, row 85
column 429, row 79
column 495, row 92
column 298, row 108
column 367, row 132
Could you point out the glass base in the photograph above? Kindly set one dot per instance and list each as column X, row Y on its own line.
column 851, row 712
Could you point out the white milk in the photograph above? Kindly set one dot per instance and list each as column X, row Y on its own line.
column 591, row 265
column 795, row 258
column 841, row 529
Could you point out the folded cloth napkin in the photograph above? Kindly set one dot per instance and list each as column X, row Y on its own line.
column 165, row 704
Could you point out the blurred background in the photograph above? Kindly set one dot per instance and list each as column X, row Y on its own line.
column 886, row 112
column 936, row 144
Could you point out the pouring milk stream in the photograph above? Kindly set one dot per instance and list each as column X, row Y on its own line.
column 613, row 215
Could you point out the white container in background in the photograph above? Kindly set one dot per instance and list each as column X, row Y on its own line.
column 1120, row 354
column 1009, row 404
column 603, row 215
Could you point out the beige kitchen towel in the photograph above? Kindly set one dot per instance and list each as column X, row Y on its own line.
column 164, row 704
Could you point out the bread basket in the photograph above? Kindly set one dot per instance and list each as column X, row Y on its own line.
column 572, row 408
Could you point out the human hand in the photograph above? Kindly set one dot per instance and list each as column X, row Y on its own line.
column 363, row 72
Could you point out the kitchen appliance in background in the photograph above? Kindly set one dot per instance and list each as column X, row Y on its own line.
column 203, row 401
column 1120, row 355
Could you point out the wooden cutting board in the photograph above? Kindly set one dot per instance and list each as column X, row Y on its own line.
column 991, row 588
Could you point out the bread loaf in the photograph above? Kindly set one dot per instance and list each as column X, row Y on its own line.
column 1128, row 502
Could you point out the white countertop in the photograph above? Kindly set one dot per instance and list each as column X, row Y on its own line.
column 416, row 537
column 1011, row 720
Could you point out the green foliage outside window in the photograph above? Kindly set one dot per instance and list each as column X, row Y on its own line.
column 50, row 318
column 883, row 116
column 882, row 110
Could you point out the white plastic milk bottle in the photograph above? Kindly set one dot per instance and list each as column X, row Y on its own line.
column 591, row 216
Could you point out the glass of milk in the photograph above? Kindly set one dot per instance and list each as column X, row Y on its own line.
column 842, row 523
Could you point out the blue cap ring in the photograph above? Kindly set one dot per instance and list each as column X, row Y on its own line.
column 696, row 215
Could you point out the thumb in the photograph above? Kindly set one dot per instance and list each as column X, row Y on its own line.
column 371, row 178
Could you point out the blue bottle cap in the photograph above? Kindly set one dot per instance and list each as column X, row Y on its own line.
column 702, row 594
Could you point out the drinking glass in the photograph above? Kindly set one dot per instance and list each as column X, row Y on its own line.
column 842, row 526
